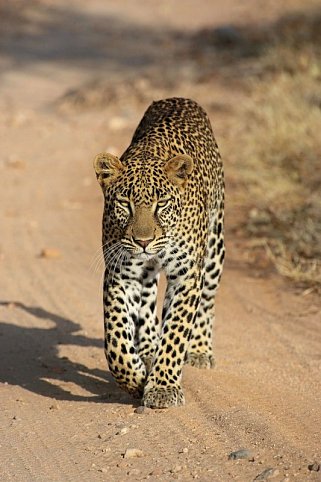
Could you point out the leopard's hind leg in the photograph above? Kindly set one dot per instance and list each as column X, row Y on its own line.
column 200, row 352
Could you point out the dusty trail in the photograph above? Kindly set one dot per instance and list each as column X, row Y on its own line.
column 61, row 413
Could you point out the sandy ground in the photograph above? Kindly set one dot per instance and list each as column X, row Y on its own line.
column 62, row 417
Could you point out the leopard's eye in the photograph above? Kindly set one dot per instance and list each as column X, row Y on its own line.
column 162, row 203
column 124, row 204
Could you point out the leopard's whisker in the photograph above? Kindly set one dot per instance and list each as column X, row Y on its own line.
column 99, row 256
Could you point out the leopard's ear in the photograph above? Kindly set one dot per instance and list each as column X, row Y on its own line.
column 107, row 168
column 178, row 169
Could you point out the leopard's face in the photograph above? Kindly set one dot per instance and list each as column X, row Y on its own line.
column 143, row 202
column 145, row 222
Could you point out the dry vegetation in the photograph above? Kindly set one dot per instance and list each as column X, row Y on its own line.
column 280, row 159
column 282, row 153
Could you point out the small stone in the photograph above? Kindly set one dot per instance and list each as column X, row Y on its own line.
column 48, row 253
column 106, row 450
column 119, row 425
column 267, row 474
column 122, row 431
column 176, row 469
column 240, row 454
column 54, row 406
column 133, row 472
column 103, row 470
column 156, row 472
column 315, row 467
column 183, row 451
column 133, row 453
column 142, row 410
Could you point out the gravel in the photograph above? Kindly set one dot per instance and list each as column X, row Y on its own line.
column 315, row 467
column 142, row 410
column 267, row 474
column 240, row 454
column 133, row 453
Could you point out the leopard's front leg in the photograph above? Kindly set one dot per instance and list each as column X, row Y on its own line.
column 121, row 307
column 148, row 328
column 163, row 388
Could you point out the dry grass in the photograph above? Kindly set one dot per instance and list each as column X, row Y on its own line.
column 280, row 159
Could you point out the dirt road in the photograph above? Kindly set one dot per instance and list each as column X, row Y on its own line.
column 62, row 417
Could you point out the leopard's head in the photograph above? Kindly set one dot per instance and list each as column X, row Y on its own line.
column 143, row 199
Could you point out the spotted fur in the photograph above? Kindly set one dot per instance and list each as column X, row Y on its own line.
column 164, row 202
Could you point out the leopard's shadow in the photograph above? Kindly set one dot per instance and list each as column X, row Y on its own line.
column 29, row 357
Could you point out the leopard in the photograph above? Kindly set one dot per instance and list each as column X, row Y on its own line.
column 163, row 213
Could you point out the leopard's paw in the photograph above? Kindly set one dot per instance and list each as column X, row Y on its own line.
column 133, row 384
column 164, row 397
column 200, row 360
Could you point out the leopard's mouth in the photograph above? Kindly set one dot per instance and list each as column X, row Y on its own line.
column 146, row 251
column 149, row 252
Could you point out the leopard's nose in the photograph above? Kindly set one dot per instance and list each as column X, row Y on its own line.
column 143, row 242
